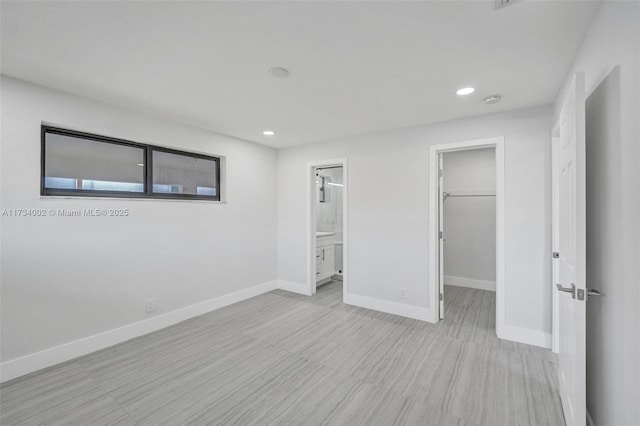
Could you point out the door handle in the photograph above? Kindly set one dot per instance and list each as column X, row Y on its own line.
column 571, row 289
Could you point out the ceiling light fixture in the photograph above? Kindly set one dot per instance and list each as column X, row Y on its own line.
column 268, row 133
column 465, row 91
column 279, row 72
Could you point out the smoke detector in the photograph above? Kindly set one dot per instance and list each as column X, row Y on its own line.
column 492, row 99
column 279, row 72
column 499, row 4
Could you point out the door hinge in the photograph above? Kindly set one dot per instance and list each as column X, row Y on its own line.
column 440, row 234
column 441, row 296
column 556, row 255
column 594, row 292
column 440, row 172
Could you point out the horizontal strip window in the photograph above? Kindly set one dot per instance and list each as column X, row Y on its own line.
column 83, row 164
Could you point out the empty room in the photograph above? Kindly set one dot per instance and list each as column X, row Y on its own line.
column 320, row 212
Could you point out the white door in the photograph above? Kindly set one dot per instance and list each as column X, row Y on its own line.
column 441, row 231
column 572, row 254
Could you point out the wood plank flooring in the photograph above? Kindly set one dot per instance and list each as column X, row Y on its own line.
column 287, row 359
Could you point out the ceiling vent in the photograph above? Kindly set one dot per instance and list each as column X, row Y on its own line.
column 499, row 4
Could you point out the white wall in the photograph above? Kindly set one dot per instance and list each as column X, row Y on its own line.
column 67, row 278
column 613, row 211
column 470, row 222
column 388, row 212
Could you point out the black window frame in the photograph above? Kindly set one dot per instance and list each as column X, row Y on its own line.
column 168, row 196
column 147, row 181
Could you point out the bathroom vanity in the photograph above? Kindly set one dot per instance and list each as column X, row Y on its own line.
column 325, row 256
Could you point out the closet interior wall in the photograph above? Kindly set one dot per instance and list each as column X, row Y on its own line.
column 470, row 218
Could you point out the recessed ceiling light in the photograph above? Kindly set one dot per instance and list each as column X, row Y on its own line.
column 279, row 72
column 465, row 91
column 268, row 133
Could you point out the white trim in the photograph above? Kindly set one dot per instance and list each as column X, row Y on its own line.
column 311, row 222
column 294, row 287
column 501, row 251
column 555, row 234
column 526, row 335
column 67, row 351
column 409, row 311
column 469, row 283
column 162, row 200
column 434, row 150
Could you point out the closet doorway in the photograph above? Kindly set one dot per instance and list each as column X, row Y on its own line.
column 468, row 226
column 467, row 220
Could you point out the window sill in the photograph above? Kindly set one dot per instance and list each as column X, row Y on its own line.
column 72, row 197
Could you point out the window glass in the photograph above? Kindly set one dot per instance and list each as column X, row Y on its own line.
column 82, row 164
column 184, row 174
column 205, row 190
column 87, row 165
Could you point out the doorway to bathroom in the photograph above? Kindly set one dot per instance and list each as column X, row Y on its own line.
column 467, row 234
column 327, row 228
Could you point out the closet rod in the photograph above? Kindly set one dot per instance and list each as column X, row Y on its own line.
column 473, row 195
column 448, row 194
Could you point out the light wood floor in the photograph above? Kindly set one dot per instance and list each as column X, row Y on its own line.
column 282, row 358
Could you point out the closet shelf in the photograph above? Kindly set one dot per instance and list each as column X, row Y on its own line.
column 471, row 193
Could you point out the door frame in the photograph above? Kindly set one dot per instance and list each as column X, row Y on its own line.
column 434, row 256
column 311, row 222
column 555, row 236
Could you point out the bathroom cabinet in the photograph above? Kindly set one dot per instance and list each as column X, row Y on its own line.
column 325, row 255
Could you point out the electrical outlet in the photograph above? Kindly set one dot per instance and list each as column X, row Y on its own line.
column 403, row 293
column 150, row 305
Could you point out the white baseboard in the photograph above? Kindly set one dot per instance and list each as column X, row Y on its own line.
column 525, row 335
column 294, row 287
column 469, row 283
column 68, row 351
column 409, row 311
